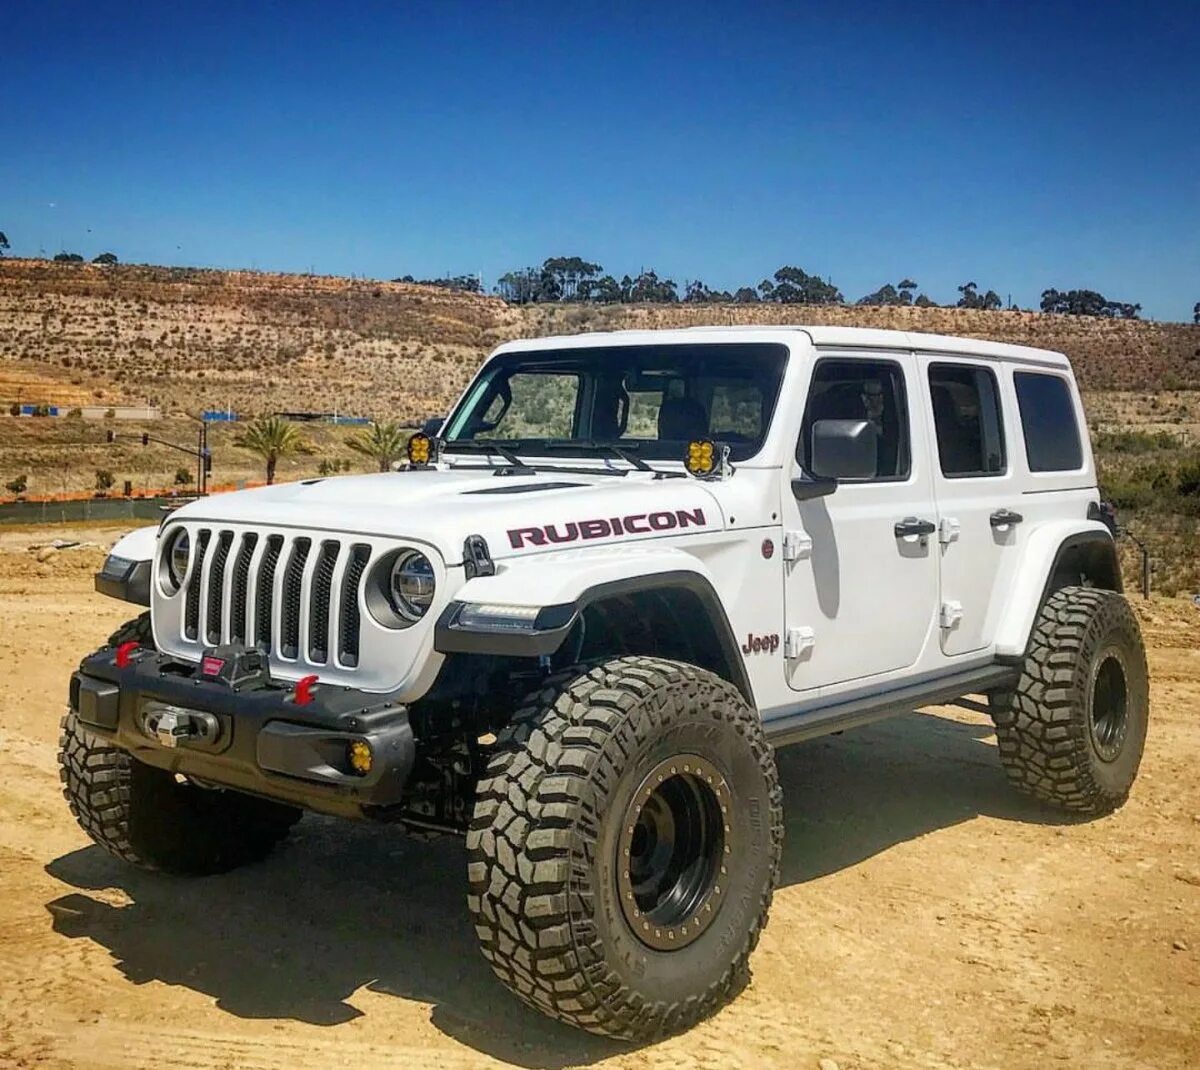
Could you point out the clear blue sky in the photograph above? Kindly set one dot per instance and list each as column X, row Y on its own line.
column 1019, row 145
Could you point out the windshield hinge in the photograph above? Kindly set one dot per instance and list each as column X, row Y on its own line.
column 797, row 545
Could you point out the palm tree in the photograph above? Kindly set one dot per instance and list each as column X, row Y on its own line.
column 273, row 437
column 383, row 443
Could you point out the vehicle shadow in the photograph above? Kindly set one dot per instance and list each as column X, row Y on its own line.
column 343, row 905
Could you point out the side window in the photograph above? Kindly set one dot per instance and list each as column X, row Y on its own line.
column 871, row 390
column 536, row 405
column 966, row 416
column 1052, row 441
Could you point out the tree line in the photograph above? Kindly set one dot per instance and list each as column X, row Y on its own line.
column 573, row 279
column 563, row 279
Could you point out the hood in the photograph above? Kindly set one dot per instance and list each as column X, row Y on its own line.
column 516, row 514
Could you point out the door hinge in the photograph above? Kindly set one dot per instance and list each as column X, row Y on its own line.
column 952, row 613
column 797, row 545
column 948, row 529
column 798, row 642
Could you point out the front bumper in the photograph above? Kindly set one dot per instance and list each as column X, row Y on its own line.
column 251, row 734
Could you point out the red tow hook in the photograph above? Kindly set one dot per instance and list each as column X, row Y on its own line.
column 124, row 653
column 303, row 693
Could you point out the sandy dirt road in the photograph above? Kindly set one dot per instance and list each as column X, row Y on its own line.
column 927, row 917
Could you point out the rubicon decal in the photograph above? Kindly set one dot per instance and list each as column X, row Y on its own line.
column 604, row 528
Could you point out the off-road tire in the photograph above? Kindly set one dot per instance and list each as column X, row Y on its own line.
column 543, row 845
column 145, row 816
column 1050, row 742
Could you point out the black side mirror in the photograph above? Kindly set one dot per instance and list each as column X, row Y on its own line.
column 806, row 487
column 844, row 449
column 432, row 426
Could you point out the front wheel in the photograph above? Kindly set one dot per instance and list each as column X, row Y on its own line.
column 625, row 845
column 1072, row 732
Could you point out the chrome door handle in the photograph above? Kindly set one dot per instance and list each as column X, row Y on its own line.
column 912, row 525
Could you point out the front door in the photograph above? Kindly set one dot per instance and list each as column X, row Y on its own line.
column 861, row 563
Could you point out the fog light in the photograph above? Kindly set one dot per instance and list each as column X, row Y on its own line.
column 361, row 758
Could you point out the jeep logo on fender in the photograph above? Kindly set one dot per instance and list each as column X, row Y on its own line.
column 633, row 524
column 760, row 644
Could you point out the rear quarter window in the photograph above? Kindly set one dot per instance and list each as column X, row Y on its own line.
column 1052, row 442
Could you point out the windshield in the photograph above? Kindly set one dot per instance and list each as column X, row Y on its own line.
column 650, row 399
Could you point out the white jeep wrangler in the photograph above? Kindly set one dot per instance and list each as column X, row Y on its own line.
column 574, row 627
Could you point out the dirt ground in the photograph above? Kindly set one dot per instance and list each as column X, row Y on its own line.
column 927, row 916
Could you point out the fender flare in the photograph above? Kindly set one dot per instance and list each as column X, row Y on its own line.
column 126, row 571
column 568, row 584
column 1048, row 549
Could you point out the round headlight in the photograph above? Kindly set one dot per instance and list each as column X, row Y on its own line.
column 411, row 585
column 178, row 553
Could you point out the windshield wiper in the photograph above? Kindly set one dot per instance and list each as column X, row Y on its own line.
column 625, row 453
column 488, row 445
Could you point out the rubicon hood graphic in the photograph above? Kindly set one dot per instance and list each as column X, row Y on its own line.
column 517, row 514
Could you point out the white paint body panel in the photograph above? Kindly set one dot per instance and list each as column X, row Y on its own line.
column 138, row 545
column 857, row 609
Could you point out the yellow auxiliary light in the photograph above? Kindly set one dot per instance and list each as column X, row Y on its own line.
column 420, row 448
column 701, row 457
column 361, row 758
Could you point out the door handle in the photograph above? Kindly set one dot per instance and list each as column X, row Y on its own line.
column 1005, row 518
column 911, row 525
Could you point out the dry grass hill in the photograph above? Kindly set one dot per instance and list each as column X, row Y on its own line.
column 186, row 339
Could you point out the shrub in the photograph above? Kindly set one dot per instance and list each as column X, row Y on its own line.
column 17, row 486
column 183, row 477
column 104, row 480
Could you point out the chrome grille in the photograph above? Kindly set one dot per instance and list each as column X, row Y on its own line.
column 245, row 584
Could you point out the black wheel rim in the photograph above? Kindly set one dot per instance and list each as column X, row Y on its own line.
column 1110, row 706
column 671, row 854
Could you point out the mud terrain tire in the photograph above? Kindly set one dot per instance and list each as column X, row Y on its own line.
column 143, row 815
column 638, row 755
column 1073, row 731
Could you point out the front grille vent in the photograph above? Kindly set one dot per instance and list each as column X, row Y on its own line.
column 278, row 593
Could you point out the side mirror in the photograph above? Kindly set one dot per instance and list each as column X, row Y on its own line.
column 432, row 426
column 805, row 487
column 844, row 449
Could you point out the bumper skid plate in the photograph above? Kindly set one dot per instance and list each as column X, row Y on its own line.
column 235, row 727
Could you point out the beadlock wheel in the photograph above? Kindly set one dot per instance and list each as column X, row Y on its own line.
column 671, row 852
column 1109, row 720
column 624, row 846
column 1072, row 731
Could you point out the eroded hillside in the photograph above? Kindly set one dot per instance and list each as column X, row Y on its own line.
column 185, row 338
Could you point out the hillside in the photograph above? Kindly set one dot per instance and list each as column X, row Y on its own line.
column 188, row 339
column 185, row 338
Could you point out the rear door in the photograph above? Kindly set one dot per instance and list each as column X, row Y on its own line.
column 861, row 578
column 978, row 496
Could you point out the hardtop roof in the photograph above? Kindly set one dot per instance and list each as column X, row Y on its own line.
column 821, row 336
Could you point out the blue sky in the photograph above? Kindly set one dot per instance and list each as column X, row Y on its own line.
column 1018, row 145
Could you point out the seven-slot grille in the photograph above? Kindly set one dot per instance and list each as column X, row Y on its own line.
column 295, row 596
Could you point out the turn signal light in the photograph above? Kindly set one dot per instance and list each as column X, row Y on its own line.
column 701, row 457
column 361, row 758
column 420, row 449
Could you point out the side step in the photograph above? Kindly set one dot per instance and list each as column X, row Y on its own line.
column 851, row 713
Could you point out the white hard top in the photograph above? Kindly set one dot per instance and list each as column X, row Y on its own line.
column 821, row 336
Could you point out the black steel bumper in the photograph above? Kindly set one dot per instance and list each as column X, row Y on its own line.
column 254, row 735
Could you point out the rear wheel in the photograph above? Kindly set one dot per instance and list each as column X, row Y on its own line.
column 145, row 816
column 625, row 845
column 1073, row 730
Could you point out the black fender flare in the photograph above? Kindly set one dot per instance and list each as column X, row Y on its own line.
column 550, row 627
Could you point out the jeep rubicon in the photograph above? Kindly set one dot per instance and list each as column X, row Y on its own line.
column 575, row 625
